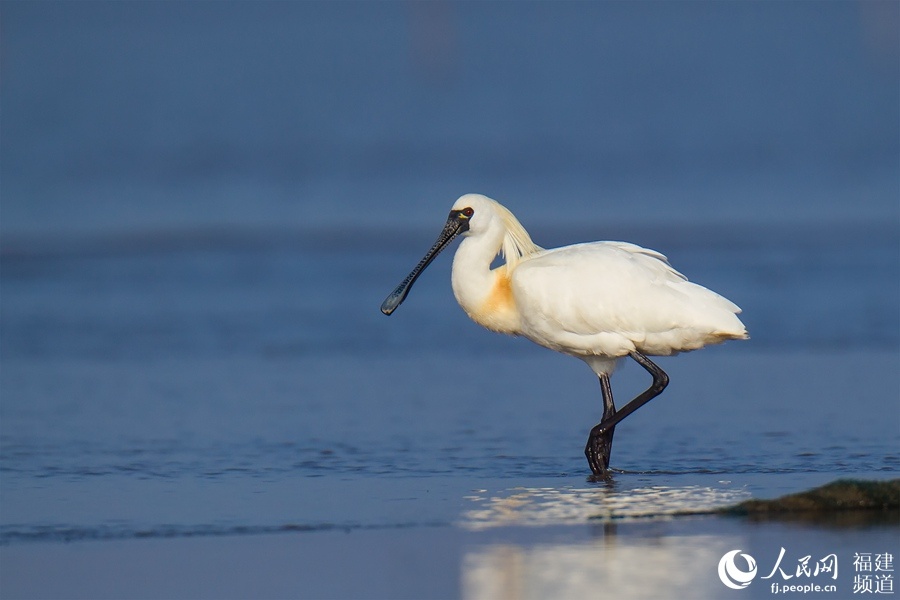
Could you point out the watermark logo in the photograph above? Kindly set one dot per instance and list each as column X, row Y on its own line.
column 873, row 573
column 732, row 575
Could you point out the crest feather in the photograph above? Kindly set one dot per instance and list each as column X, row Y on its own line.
column 517, row 243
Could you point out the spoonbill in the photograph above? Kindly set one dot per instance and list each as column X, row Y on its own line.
column 597, row 301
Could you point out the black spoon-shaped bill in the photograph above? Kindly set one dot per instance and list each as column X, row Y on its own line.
column 457, row 223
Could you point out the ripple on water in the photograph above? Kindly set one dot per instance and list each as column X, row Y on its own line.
column 566, row 506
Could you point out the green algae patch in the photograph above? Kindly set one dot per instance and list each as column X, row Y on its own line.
column 837, row 496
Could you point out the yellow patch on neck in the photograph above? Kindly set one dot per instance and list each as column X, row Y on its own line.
column 498, row 312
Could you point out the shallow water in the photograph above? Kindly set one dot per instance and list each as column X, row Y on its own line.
column 242, row 398
column 204, row 205
column 143, row 384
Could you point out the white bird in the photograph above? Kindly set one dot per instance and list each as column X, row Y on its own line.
column 598, row 301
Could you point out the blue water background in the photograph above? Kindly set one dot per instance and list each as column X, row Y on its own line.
column 202, row 206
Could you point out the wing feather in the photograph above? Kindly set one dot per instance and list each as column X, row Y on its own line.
column 614, row 297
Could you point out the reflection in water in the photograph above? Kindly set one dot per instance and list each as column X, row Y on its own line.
column 553, row 506
column 607, row 566
column 610, row 567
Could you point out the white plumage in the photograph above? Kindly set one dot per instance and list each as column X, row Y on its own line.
column 601, row 299
column 597, row 301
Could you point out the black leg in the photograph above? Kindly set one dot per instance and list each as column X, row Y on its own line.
column 599, row 447
column 605, row 429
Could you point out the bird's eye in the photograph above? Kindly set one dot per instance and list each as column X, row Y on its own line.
column 467, row 212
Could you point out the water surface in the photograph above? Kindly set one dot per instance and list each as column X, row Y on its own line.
column 204, row 205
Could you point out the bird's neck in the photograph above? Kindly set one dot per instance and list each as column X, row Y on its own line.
column 484, row 293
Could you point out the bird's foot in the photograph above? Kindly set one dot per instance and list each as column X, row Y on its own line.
column 598, row 449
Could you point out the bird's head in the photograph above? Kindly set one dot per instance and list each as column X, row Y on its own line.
column 470, row 214
column 475, row 213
